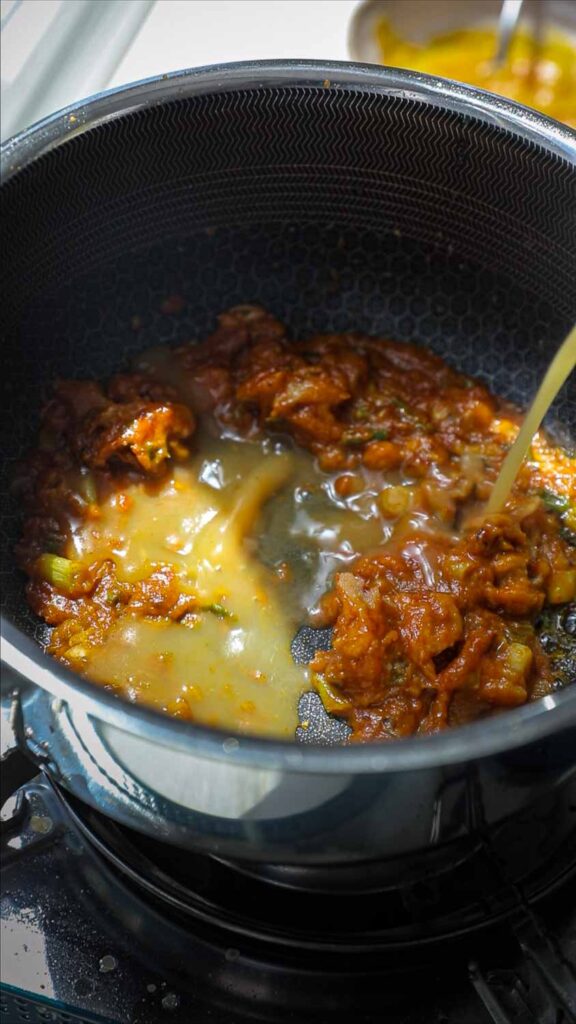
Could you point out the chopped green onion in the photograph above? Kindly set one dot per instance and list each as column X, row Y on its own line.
column 334, row 701
column 89, row 488
column 219, row 610
column 554, row 502
column 60, row 572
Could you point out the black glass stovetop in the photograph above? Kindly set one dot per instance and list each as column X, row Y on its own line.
column 98, row 925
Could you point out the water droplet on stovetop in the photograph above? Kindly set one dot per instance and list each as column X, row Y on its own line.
column 151, row 988
column 230, row 745
column 108, row 963
column 170, row 1001
column 41, row 824
column 232, row 954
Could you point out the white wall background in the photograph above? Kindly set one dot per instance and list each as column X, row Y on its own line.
column 55, row 52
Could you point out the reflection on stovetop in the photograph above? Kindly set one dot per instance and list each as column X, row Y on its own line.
column 101, row 924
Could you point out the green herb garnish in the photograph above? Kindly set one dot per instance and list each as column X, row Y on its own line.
column 219, row 610
column 554, row 502
column 354, row 440
column 60, row 572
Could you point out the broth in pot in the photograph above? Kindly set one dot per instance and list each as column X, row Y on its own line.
column 184, row 519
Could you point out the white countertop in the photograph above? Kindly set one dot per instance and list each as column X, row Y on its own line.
column 55, row 52
column 188, row 33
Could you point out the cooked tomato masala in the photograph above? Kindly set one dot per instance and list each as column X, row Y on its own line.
column 185, row 518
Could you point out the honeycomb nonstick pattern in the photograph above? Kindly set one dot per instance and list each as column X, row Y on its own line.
column 314, row 277
column 298, row 153
column 336, row 209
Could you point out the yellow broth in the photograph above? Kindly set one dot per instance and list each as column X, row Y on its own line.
column 543, row 78
column 229, row 664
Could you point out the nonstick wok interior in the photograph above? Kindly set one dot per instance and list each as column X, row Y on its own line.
column 333, row 207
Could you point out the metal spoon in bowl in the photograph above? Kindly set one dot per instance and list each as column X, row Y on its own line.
column 507, row 22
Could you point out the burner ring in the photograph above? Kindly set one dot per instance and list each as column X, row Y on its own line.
column 268, row 903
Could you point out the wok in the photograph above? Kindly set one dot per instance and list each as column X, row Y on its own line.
column 338, row 196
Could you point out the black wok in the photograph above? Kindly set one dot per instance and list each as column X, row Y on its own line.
column 338, row 196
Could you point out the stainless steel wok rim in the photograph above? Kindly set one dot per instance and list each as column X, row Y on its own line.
column 26, row 659
column 20, row 150
column 516, row 728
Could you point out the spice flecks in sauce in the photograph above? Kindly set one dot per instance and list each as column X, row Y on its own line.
column 188, row 517
column 228, row 662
